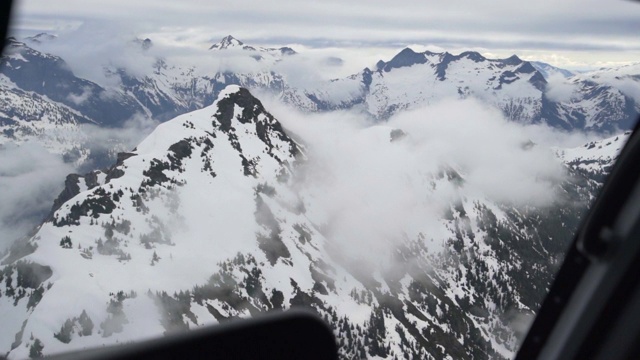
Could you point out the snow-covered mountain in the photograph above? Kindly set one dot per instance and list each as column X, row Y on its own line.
column 605, row 99
column 412, row 80
column 595, row 158
column 46, row 105
column 226, row 43
column 210, row 215
column 211, row 152
column 28, row 116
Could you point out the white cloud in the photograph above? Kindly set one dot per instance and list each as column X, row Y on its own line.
column 560, row 89
column 371, row 192
column 487, row 148
column 96, row 44
column 125, row 138
column 303, row 71
column 629, row 88
column 80, row 98
column 30, row 179
column 547, row 136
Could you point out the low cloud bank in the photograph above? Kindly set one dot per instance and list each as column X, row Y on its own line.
column 560, row 89
column 371, row 191
column 126, row 137
column 30, row 178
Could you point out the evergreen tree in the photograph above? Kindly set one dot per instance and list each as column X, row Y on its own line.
column 64, row 335
column 36, row 349
column 65, row 242
column 86, row 324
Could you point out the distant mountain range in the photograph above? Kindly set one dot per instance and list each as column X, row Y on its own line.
column 601, row 101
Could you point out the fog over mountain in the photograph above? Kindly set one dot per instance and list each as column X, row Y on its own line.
column 382, row 229
column 420, row 204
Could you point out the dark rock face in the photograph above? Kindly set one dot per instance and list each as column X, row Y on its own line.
column 406, row 57
column 538, row 81
column 155, row 173
column 252, row 110
column 366, row 78
column 90, row 179
column 115, row 171
column 180, row 150
column 526, row 68
column 473, row 55
column 512, row 60
column 441, row 68
column 71, row 189
column 100, row 202
column 287, row 51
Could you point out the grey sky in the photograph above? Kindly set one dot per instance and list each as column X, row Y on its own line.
column 569, row 31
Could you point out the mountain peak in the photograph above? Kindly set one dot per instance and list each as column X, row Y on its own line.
column 285, row 50
column 41, row 37
column 145, row 44
column 512, row 60
column 473, row 55
column 406, row 57
column 226, row 42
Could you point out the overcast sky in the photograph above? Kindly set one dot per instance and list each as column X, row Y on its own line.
column 569, row 33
